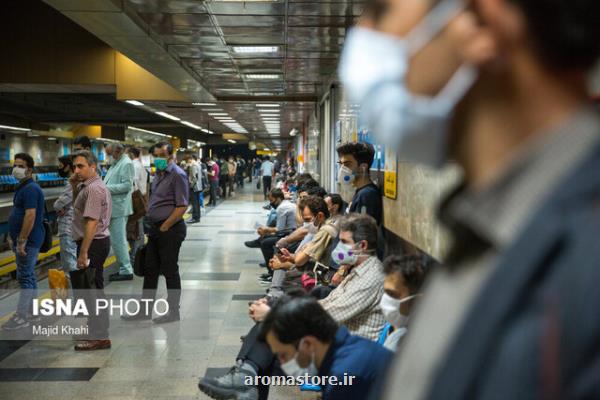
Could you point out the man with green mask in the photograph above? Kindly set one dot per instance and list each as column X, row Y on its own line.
column 169, row 200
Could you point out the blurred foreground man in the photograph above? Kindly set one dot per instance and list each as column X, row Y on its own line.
column 500, row 87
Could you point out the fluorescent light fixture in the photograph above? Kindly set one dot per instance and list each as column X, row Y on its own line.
column 191, row 125
column 268, row 105
column 215, row 114
column 169, row 116
column 51, row 138
column 204, row 104
column 262, row 76
column 231, row 141
column 255, row 49
column 134, row 103
column 212, row 109
column 267, row 149
column 293, row 132
column 14, row 128
column 148, row 131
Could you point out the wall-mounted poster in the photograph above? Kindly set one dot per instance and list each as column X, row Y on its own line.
column 390, row 182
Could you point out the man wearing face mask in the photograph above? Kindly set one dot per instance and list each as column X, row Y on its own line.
column 63, row 206
column 355, row 163
column 308, row 341
column 404, row 277
column 26, row 231
column 500, row 87
column 119, row 181
column 169, row 197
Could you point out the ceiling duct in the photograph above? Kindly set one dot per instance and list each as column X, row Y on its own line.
column 115, row 23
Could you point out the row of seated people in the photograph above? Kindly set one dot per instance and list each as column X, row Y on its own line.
column 327, row 303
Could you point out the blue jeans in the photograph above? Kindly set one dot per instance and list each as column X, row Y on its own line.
column 68, row 254
column 27, row 279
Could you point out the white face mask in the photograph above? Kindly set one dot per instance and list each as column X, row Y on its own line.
column 292, row 368
column 346, row 176
column 344, row 254
column 19, row 173
column 312, row 228
column 390, row 307
column 373, row 69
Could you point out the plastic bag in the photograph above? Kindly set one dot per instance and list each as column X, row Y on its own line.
column 59, row 285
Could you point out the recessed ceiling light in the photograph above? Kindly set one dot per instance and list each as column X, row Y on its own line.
column 215, row 114
column 204, row 104
column 148, row 131
column 255, row 49
column 262, row 76
column 231, row 141
column 212, row 109
column 134, row 103
column 171, row 117
column 268, row 105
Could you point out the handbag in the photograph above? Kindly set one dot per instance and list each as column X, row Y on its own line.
column 139, row 205
column 258, row 184
column 139, row 261
column 47, row 243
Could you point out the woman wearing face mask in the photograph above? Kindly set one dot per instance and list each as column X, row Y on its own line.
column 403, row 281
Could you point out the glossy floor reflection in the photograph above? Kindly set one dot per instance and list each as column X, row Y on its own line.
column 150, row 363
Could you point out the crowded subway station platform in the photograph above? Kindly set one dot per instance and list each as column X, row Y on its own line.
column 290, row 199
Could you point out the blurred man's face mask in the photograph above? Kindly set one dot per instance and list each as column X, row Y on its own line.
column 373, row 70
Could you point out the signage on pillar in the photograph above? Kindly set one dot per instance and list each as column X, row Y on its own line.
column 390, row 183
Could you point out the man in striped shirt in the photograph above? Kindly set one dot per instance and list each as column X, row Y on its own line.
column 91, row 218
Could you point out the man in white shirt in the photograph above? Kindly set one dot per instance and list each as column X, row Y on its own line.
column 267, row 169
column 140, row 182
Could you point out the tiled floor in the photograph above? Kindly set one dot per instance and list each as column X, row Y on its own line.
column 219, row 277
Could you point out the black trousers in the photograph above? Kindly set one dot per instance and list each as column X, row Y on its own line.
column 267, row 247
column 223, row 179
column 162, row 256
column 259, row 355
column 89, row 285
column 213, row 192
column 267, row 180
column 195, row 200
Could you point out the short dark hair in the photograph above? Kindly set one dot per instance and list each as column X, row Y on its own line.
column 564, row 33
column 364, row 153
column 66, row 160
column 317, row 191
column 135, row 151
column 307, row 184
column 83, row 141
column 27, row 158
column 362, row 226
column 194, row 156
column 293, row 318
column 337, row 199
column 267, row 158
column 88, row 155
column 277, row 193
column 413, row 268
column 163, row 144
column 316, row 205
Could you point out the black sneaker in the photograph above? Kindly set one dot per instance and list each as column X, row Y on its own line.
column 33, row 318
column 264, row 276
column 169, row 317
column 262, row 265
column 267, row 207
column 232, row 385
column 15, row 323
column 253, row 244
column 118, row 277
column 266, row 280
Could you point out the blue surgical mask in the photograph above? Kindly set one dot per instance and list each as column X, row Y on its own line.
column 373, row 70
